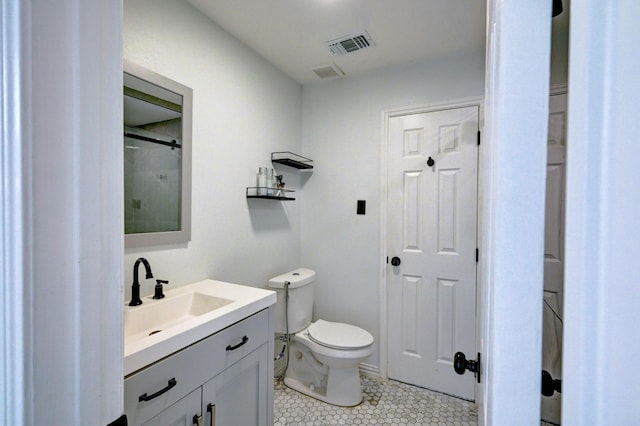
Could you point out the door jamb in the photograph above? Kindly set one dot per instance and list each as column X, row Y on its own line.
column 386, row 115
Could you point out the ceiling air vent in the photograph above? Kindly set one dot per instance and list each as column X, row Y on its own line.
column 329, row 71
column 350, row 43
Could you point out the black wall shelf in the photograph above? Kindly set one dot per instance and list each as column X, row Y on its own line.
column 266, row 193
column 292, row 160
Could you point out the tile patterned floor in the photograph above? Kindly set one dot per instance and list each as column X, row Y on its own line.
column 386, row 402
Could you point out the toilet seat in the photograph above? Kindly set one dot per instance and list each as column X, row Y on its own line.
column 337, row 335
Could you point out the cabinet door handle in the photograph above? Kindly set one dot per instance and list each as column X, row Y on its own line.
column 245, row 339
column 144, row 397
column 211, row 409
column 197, row 420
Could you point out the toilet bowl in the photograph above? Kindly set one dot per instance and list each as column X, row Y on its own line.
column 324, row 370
column 323, row 355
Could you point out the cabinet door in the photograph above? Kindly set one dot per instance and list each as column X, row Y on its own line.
column 238, row 395
column 180, row 413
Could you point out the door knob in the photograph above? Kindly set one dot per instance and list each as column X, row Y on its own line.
column 395, row 261
column 430, row 162
column 461, row 364
column 549, row 384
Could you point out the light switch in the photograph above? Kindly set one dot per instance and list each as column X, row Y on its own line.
column 362, row 207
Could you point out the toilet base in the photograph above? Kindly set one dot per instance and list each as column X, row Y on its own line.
column 320, row 393
column 329, row 375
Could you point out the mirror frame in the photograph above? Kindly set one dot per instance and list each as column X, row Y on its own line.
column 184, row 234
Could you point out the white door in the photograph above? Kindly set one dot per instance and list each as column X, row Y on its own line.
column 554, row 252
column 432, row 220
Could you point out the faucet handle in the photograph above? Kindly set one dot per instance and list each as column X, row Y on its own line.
column 158, row 289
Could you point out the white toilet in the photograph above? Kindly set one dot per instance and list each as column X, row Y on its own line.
column 323, row 355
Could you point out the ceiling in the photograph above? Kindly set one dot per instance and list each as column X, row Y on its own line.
column 291, row 34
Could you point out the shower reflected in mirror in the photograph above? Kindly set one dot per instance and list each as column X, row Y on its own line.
column 157, row 158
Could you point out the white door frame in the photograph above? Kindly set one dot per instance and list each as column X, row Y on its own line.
column 13, row 284
column 62, row 220
column 602, row 297
column 386, row 115
column 514, row 173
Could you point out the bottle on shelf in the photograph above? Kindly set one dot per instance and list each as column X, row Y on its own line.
column 271, row 182
column 262, row 181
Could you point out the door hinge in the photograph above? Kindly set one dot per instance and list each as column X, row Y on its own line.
column 387, row 259
column 478, row 137
column 477, row 255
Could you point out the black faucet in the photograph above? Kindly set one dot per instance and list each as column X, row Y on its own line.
column 135, row 287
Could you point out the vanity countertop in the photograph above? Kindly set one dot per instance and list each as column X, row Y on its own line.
column 243, row 301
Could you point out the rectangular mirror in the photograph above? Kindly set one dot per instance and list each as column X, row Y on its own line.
column 157, row 158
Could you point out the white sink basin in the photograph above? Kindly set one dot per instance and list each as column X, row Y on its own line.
column 186, row 314
column 160, row 315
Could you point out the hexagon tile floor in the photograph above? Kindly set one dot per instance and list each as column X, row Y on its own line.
column 386, row 402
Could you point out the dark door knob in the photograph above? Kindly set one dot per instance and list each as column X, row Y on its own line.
column 549, row 384
column 430, row 162
column 395, row 261
column 461, row 364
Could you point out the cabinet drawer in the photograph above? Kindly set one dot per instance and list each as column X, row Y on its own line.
column 239, row 340
column 191, row 367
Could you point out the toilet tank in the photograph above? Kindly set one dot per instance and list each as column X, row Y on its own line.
column 300, row 305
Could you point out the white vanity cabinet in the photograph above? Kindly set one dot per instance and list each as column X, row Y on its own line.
column 235, row 396
column 228, row 375
column 184, row 412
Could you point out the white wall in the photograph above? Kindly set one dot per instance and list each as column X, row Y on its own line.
column 244, row 109
column 342, row 126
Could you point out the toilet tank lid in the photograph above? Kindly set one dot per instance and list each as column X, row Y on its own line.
column 296, row 278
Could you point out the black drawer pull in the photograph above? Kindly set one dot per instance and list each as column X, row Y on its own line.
column 144, row 397
column 245, row 339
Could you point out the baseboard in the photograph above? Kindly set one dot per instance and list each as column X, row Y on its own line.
column 370, row 370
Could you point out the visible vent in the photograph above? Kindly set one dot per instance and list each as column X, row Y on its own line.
column 350, row 43
column 329, row 71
